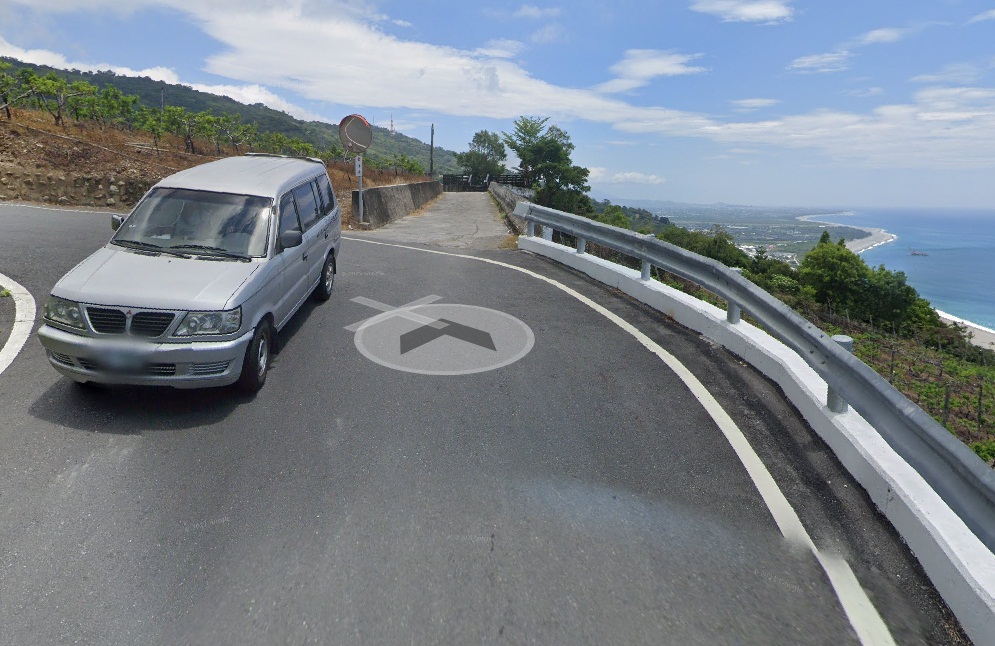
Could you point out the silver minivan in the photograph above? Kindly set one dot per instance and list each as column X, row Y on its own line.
column 198, row 279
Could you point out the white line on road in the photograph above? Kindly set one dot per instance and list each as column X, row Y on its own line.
column 24, row 320
column 863, row 616
column 53, row 207
column 389, row 311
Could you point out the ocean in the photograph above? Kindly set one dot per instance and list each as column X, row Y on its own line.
column 957, row 274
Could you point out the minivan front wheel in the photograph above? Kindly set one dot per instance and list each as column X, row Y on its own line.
column 327, row 282
column 257, row 359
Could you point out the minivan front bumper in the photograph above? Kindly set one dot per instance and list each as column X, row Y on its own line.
column 193, row 364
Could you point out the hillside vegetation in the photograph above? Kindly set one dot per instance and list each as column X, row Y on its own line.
column 144, row 96
column 32, row 144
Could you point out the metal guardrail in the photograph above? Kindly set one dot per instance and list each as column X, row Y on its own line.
column 960, row 477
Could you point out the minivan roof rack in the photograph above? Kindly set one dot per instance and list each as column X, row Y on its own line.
column 310, row 159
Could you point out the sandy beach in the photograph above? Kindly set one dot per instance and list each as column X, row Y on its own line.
column 876, row 238
column 982, row 336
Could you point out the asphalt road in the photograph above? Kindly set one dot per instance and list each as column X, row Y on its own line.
column 577, row 495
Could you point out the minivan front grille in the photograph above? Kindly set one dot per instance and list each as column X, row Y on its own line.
column 151, row 324
column 106, row 321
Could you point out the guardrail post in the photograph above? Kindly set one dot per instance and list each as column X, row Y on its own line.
column 581, row 246
column 547, row 232
column 530, row 228
column 733, row 312
column 647, row 271
column 833, row 399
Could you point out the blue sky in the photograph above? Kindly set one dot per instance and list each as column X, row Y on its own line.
column 767, row 102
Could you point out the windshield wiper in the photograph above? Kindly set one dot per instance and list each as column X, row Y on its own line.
column 147, row 246
column 212, row 251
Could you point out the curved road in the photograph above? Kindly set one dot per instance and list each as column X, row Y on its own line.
column 580, row 494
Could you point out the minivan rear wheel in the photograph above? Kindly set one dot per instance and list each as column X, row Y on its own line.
column 257, row 359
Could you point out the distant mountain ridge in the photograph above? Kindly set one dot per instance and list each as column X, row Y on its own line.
column 320, row 134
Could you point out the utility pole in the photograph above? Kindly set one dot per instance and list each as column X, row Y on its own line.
column 162, row 103
column 431, row 155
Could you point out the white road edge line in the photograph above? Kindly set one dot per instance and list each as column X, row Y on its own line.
column 24, row 320
column 56, row 208
column 863, row 616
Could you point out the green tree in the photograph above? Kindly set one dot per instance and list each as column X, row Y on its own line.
column 54, row 92
column 716, row 244
column 84, row 105
column 151, row 121
column 13, row 88
column 486, row 155
column 544, row 160
column 836, row 275
column 615, row 216
column 235, row 132
column 184, row 124
column 522, row 141
column 887, row 297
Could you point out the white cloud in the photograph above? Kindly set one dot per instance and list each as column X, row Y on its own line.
column 822, row 63
column 532, row 11
column 749, row 105
column 956, row 73
column 601, row 175
column 548, row 34
column 766, row 11
column 981, row 17
column 640, row 66
column 865, row 92
column 501, row 48
column 938, row 127
column 883, row 35
column 53, row 59
column 838, row 60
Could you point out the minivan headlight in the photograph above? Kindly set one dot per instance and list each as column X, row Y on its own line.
column 59, row 310
column 199, row 323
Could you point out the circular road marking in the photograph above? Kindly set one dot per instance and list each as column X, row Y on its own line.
column 451, row 340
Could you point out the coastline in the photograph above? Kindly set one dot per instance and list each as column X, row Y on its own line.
column 981, row 336
column 876, row 238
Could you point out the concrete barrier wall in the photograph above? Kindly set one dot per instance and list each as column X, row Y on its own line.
column 388, row 203
column 508, row 199
column 956, row 561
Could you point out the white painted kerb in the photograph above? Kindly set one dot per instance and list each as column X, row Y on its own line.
column 959, row 565
column 24, row 320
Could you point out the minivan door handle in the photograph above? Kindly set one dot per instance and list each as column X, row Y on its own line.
column 305, row 257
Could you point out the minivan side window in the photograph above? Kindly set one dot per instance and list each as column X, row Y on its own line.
column 326, row 194
column 307, row 206
column 288, row 215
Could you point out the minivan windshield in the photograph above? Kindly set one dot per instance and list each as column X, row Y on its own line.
column 173, row 217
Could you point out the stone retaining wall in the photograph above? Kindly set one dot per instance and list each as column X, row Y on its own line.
column 70, row 189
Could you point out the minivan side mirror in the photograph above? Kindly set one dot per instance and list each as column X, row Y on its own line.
column 116, row 221
column 291, row 238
